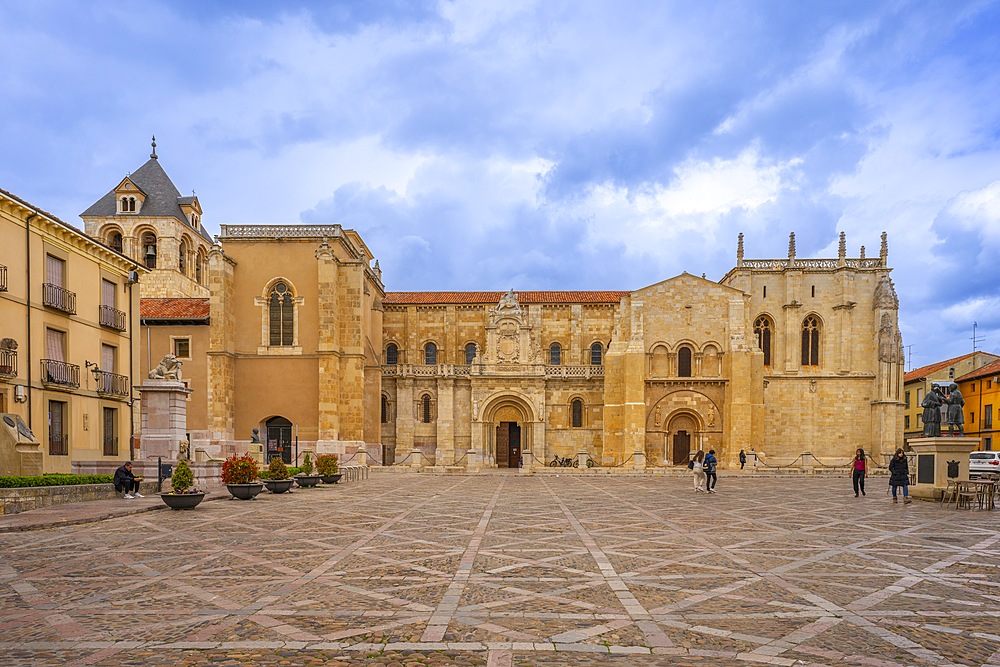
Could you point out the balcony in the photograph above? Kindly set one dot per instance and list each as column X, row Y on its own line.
column 8, row 363
column 3, row 278
column 59, row 298
column 112, row 318
column 112, row 384
column 60, row 374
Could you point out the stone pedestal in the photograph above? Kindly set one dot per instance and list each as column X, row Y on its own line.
column 473, row 460
column 416, row 458
column 256, row 451
column 581, row 459
column 639, row 460
column 527, row 460
column 164, row 418
column 930, row 465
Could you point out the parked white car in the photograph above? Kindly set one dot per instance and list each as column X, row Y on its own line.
column 984, row 462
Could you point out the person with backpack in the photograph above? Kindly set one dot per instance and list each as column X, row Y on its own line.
column 710, row 465
column 859, row 468
column 697, row 466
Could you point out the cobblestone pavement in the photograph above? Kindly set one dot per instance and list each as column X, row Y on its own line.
column 507, row 571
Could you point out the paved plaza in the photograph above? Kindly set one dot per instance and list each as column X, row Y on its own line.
column 506, row 570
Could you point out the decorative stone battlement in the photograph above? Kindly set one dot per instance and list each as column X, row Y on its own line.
column 823, row 264
column 280, row 231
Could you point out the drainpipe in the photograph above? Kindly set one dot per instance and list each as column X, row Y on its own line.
column 27, row 254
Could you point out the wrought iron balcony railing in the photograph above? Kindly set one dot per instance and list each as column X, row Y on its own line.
column 112, row 318
column 59, row 298
column 112, row 383
column 60, row 374
column 8, row 363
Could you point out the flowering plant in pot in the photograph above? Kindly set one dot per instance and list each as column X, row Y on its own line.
column 328, row 466
column 306, row 476
column 239, row 474
column 183, row 495
column 277, row 480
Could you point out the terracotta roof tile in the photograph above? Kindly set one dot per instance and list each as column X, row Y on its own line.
column 988, row 369
column 530, row 297
column 925, row 371
column 174, row 309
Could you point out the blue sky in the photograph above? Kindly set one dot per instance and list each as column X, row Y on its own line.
column 542, row 145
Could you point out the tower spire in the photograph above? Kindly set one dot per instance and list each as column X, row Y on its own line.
column 739, row 250
column 153, row 154
column 883, row 253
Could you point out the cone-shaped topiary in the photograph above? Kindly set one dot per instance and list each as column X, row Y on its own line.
column 307, row 465
column 326, row 464
column 277, row 469
column 183, row 478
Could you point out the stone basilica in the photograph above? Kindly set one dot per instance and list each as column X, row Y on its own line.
column 290, row 330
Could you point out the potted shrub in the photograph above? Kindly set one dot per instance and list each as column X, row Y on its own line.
column 239, row 474
column 328, row 467
column 278, row 480
column 183, row 495
column 306, row 476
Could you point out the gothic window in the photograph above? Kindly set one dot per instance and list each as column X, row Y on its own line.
column 684, row 362
column 555, row 354
column 596, row 354
column 425, row 409
column 577, row 410
column 149, row 250
column 430, row 354
column 391, row 354
column 281, row 315
column 470, row 353
column 762, row 329
column 810, row 341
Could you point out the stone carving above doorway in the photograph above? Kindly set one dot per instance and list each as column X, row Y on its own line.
column 509, row 348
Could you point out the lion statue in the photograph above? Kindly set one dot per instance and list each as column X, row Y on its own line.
column 169, row 368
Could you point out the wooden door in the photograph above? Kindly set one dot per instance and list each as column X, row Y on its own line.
column 514, row 444
column 503, row 445
column 682, row 447
column 279, row 439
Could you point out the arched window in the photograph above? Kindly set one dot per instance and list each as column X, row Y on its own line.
column 810, row 341
column 391, row 354
column 762, row 329
column 425, row 409
column 182, row 257
column 577, row 410
column 596, row 354
column 684, row 361
column 470, row 353
column 660, row 365
column 385, row 409
column 430, row 354
column 115, row 241
column 198, row 270
column 555, row 354
column 149, row 250
column 281, row 316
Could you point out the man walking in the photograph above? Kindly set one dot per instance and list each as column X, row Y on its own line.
column 710, row 464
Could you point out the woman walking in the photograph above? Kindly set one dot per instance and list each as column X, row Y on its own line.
column 860, row 469
column 899, row 475
column 699, row 471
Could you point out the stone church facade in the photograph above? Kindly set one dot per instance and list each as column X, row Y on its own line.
column 289, row 329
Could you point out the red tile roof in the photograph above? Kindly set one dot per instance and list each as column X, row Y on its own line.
column 988, row 369
column 926, row 371
column 174, row 309
column 534, row 297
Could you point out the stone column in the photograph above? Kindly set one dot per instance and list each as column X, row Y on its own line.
column 164, row 418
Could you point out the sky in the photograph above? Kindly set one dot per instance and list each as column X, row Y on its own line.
column 540, row 145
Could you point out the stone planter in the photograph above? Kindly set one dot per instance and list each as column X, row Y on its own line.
column 278, row 485
column 307, row 480
column 245, row 491
column 331, row 479
column 182, row 501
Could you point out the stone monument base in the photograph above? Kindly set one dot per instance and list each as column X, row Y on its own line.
column 938, row 460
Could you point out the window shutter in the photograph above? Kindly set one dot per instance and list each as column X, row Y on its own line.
column 55, row 345
column 55, row 271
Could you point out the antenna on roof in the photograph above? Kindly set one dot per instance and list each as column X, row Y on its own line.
column 976, row 339
column 909, row 354
column 153, row 154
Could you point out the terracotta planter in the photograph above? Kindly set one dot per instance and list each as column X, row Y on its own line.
column 182, row 501
column 331, row 479
column 278, row 485
column 307, row 480
column 245, row 491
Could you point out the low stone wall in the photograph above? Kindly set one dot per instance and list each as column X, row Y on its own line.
column 22, row 499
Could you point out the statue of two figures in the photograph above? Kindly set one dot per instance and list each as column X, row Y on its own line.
column 951, row 400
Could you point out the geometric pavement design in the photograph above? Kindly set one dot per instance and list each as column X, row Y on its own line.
column 504, row 569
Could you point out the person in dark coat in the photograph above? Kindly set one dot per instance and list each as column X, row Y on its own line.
column 743, row 459
column 899, row 476
column 710, row 465
column 126, row 481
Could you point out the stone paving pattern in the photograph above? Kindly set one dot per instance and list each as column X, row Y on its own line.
column 504, row 570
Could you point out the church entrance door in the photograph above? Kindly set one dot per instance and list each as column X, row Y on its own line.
column 508, row 445
column 279, row 439
column 682, row 447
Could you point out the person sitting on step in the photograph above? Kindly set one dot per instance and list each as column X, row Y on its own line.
column 126, row 481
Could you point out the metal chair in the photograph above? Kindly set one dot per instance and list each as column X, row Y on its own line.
column 965, row 495
column 950, row 493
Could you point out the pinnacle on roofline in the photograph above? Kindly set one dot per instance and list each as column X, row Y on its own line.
column 153, row 154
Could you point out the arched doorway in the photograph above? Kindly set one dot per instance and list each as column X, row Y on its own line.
column 508, row 437
column 279, row 439
column 681, row 430
column 507, row 430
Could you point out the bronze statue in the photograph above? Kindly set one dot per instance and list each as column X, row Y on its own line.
column 955, row 404
column 932, row 412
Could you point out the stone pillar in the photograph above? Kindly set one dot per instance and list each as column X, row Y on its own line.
column 931, row 465
column 581, row 459
column 164, row 418
column 639, row 460
column 416, row 458
column 473, row 460
column 362, row 455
